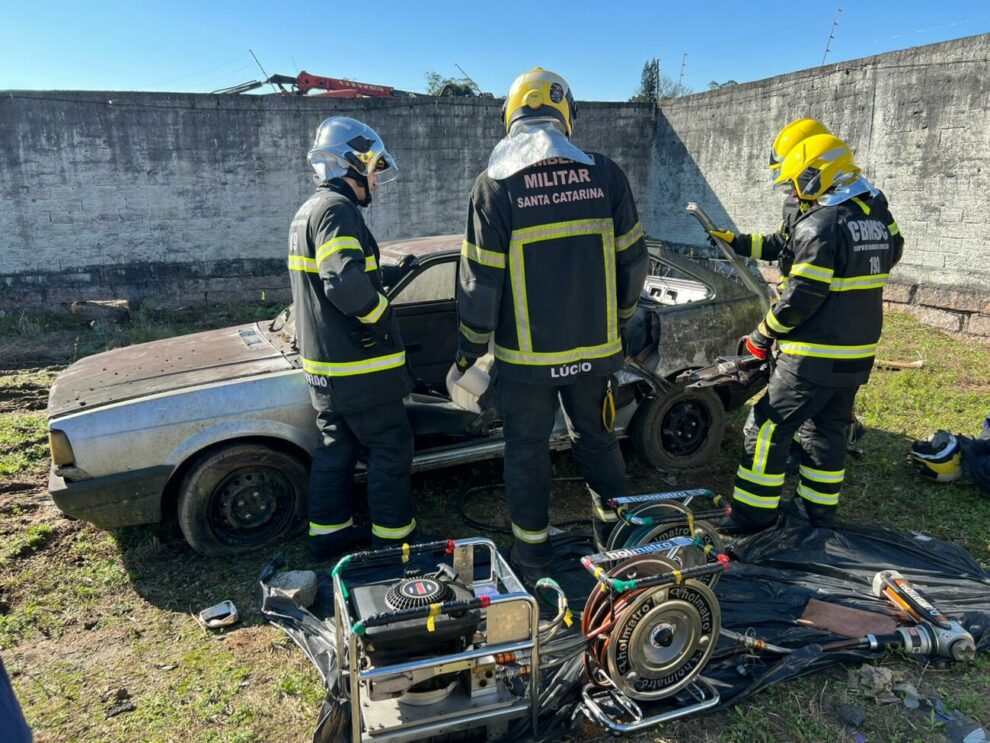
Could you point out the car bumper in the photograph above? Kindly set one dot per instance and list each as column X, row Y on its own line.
column 123, row 499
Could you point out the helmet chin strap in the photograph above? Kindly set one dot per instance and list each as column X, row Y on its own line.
column 364, row 200
column 362, row 181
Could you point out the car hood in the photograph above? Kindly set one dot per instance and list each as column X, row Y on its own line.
column 164, row 366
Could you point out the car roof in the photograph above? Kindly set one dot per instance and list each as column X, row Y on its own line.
column 394, row 251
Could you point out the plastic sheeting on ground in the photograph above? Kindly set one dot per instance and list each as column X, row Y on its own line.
column 771, row 579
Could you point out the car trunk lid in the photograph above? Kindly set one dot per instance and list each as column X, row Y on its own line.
column 164, row 366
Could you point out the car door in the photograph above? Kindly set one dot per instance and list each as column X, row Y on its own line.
column 424, row 303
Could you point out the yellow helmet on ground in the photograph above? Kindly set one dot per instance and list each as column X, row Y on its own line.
column 816, row 164
column 939, row 458
column 791, row 135
column 539, row 93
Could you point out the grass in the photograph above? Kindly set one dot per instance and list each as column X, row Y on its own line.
column 40, row 339
column 88, row 616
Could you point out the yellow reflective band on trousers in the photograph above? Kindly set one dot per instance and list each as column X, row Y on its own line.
column 756, row 250
column 319, row 530
column 822, row 499
column 824, row 476
column 813, row 272
column 763, row 439
column 401, row 532
column 485, row 257
column 821, row 351
column 530, row 537
column 760, row 478
column 605, row 515
column 629, row 239
column 776, row 325
column 757, row 501
column 302, row 263
column 351, row 368
column 335, row 246
column 473, row 336
column 518, row 240
column 375, row 315
column 853, row 283
column 626, row 312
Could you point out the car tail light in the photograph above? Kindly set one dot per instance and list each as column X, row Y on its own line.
column 61, row 449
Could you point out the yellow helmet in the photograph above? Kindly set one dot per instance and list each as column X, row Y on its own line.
column 816, row 164
column 539, row 93
column 939, row 458
column 790, row 135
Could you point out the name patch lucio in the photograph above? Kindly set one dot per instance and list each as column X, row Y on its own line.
column 569, row 370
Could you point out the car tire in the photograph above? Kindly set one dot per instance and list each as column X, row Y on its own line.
column 680, row 430
column 241, row 496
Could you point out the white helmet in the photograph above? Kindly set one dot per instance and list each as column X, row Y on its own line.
column 344, row 144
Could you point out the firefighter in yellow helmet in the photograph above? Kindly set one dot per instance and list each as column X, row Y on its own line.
column 552, row 266
column 826, row 325
column 773, row 247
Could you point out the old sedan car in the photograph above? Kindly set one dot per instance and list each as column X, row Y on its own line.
column 215, row 428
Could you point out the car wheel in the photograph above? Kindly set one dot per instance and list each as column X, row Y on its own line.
column 239, row 497
column 681, row 430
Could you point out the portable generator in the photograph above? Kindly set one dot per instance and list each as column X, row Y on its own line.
column 436, row 653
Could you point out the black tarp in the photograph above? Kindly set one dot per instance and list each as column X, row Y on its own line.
column 773, row 575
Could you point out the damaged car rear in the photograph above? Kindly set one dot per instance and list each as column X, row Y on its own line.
column 215, row 429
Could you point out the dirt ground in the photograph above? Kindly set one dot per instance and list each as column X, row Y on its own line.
column 98, row 633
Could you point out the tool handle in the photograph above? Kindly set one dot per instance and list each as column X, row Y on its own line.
column 894, row 587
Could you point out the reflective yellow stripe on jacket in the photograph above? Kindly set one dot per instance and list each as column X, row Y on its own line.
column 517, row 276
column 479, row 255
column 351, row 368
column 813, row 272
column 302, row 263
column 335, row 246
column 822, row 351
column 629, row 239
column 852, row 283
column 473, row 336
column 376, row 313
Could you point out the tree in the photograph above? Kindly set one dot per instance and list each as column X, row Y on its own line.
column 655, row 86
column 716, row 85
column 437, row 84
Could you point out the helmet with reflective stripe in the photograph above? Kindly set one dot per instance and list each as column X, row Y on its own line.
column 540, row 94
column 815, row 165
column 939, row 458
column 344, row 144
column 791, row 135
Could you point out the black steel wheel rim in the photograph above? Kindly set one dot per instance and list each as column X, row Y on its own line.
column 250, row 505
column 684, row 428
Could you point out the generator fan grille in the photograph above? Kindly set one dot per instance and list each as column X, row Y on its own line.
column 413, row 593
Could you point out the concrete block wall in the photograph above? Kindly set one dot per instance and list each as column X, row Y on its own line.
column 178, row 198
column 919, row 123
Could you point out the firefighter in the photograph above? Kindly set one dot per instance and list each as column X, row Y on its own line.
column 775, row 246
column 552, row 265
column 349, row 343
column 826, row 325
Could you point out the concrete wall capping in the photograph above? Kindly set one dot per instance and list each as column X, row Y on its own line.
column 182, row 197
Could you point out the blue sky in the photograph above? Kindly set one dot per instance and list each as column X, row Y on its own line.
column 599, row 47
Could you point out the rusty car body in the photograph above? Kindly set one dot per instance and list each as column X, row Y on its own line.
column 215, row 428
